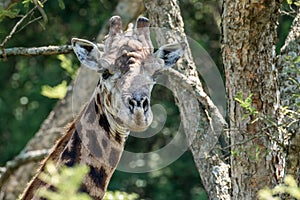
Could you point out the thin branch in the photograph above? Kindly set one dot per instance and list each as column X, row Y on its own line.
column 30, row 22
column 18, row 161
column 36, row 51
column 39, row 51
column 17, row 25
column 40, row 8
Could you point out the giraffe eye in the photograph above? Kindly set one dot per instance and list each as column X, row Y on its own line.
column 106, row 74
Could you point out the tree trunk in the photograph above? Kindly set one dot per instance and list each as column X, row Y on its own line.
column 249, row 39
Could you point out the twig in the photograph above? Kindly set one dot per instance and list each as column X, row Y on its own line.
column 40, row 8
column 16, row 26
column 35, row 51
column 30, row 22
column 18, row 161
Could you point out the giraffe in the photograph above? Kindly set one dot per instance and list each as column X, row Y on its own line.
column 120, row 104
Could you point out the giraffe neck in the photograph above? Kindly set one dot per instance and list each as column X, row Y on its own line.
column 101, row 141
column 94, row 139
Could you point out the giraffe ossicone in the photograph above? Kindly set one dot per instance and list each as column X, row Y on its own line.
column 120, row 103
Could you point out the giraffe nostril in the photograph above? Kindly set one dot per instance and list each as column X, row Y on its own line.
column 131, row 103
column 145, row 104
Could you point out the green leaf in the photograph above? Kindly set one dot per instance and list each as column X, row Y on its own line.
column 8, row 13
column 290, row 2
column 234, row 153
column 239, row 97
column 297, row 3
column 109, row 195
column 297, row 60
column 61, row 4
column 67, row 65
column 66, row 181
column 57, row 92
column 248, row 100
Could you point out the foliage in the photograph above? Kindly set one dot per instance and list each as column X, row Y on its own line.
column 57, row 92
column 291, row 117
column 293, row 2
column 289, row 187
column 67, row 65
column 66, row 182
column 116, row 195
column 11, row 13
column 246, row 104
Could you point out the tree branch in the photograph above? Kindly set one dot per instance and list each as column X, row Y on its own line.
column 18, row 161
column 35, row 51
column 39, row 51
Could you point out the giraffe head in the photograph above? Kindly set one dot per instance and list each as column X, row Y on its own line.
column 127, row 68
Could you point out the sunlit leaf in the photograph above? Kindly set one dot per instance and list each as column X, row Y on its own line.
column 109, row 195
column 57, row 92
column 58, row 179
column 297, row 60
column 297, row 3
column 67, row 65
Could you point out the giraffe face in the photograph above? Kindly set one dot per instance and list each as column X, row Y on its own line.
column 127, row 69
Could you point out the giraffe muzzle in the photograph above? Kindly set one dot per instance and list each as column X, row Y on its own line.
column 138, row 104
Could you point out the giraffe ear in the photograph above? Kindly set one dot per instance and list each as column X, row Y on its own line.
column 170, row 53
column 87, row 53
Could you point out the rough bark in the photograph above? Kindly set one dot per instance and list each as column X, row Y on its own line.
column 34, row 51
column 289, row 85
column 249, row 58
column 63, row 113
column 201, row 120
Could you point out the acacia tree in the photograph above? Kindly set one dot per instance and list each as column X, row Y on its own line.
column 257, row 86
